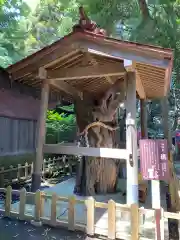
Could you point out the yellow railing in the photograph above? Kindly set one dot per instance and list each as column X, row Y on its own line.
column 40, row 198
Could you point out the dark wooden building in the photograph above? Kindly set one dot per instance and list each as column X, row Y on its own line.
column 19, row 108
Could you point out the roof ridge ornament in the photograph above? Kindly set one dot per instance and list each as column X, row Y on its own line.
column 86, row 24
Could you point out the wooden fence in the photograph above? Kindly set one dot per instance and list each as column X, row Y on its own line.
column 40, row 199
column 23, row 172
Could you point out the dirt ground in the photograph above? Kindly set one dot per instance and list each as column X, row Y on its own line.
column 20, row 230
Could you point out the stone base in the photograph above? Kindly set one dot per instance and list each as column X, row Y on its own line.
column 36, row 223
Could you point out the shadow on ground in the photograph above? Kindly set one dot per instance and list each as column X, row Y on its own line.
column 20, row 230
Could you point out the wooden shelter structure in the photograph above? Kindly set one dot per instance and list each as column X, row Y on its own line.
column 88, row 63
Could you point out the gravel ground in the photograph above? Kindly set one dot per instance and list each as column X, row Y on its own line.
column 20, row 230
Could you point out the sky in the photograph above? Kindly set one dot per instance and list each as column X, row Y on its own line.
column 32, row 3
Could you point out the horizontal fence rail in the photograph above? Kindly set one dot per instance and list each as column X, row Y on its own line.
column 40, row 198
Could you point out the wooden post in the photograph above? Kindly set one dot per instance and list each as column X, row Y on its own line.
column 90, row 216
column 131, row 141
column 53, row 209
column 166, row 125
column 11, row 173
column 36, row 176
column 22, row 203
column 19, row 172
column 8, row 201
column 134, row 222
column 167, row 135
column 144, row 129
column 156, row 204
column 37, row 211
column 2, row 177
column 111, row 219
column 26, row 171
column 71, row 213
column 32, row 168
column 171, row 194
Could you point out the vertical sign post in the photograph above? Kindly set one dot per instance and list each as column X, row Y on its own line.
column 154, row 167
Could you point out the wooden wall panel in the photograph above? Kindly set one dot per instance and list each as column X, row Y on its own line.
column 17, row 136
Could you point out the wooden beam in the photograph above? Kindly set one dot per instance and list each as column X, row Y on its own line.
column 65, row 87
column 84, row 151
column 154, row 58
column 36, row 176
column 103, row 70
column 144, row 120
column 140, row 87
column 46, row 61
column 130, row 66
column 131, row 140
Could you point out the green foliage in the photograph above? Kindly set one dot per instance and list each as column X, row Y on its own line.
column 60, row 127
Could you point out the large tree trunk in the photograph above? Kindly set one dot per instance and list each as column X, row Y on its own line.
column 98, row 175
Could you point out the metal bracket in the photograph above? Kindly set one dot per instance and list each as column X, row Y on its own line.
column 131, row 160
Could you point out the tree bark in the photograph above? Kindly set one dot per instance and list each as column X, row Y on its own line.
column 98, row 175
column 144, row 9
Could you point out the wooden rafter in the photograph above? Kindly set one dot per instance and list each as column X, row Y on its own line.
column 65, row 87
column 42, row 74
column 56, row 58
column 103, row 70
column 91, row 59
column 140, row 87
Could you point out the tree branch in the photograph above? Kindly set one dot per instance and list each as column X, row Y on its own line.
column 144, row 9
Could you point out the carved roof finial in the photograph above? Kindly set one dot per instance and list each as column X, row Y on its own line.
column 86, row 24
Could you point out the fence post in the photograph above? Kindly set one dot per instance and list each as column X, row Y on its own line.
column 162, row 223
column 90, row 216
column 43, row 166
column 11, row 173
column 8, row 201
column 37, row 213
column 159, row 221
column 54, row 161
column 42, row 203
column 26, row 171
column 53, row 209
column 134, row 222
column 32, row 168
column 111, row 219
column 70, row 166
column 2, row 177
column 19, row 172
column 22, row 203
column 71, row 214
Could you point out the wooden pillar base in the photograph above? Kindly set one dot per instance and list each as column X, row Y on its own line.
column 36, row 182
